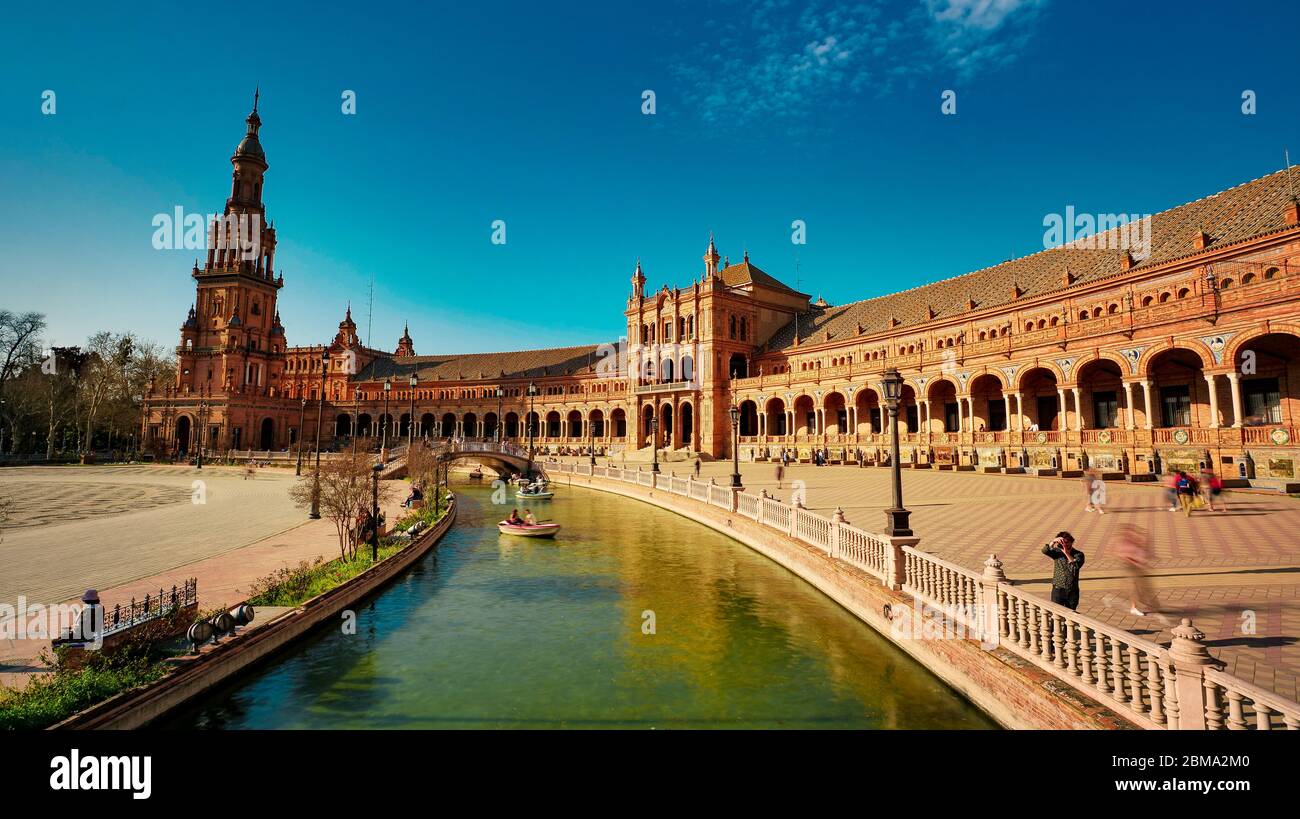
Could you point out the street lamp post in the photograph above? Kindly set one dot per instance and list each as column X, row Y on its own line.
column 320, row 412
column 735, row 446
column 654, row 442
column 203, row 413
column 497, row 428
column 302, row 417
column 374, row 511
column 410, row 427
column 532, row 394
column 383, row 422
column 896, row 517
column 591, row 440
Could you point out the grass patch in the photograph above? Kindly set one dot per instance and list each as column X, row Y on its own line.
column 293, row 586
column 55, row 697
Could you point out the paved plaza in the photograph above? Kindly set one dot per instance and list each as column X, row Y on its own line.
column 1210, row 567
column 130, row 530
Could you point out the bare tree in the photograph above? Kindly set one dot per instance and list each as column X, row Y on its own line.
column 19, row 342
column 422, row 467
column 19, row 351
column 60, row 392
column 72, row 390
column 345, row 492
column 103, row 371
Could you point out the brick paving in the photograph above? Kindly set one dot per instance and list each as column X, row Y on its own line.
column 1213, row 567
column 129, row 531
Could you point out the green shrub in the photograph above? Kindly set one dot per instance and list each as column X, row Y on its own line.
column 50, row 699
column 293, row 586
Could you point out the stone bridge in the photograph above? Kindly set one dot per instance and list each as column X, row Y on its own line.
column 504, row 458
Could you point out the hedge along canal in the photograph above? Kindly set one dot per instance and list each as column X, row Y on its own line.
column 634, row 617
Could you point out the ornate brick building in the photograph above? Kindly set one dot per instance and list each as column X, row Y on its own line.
column 1183, row 355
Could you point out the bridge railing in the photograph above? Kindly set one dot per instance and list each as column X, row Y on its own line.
column 447, row 446
column 1154, row 686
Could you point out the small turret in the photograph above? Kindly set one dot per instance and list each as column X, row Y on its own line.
column 638, row 282
column 405, row 345
column 711, row 259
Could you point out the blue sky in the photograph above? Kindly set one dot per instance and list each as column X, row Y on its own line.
column 532, row 114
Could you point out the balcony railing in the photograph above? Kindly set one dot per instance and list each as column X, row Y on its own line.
column 666, row 386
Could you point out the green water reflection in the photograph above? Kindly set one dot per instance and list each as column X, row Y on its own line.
column 498, row 632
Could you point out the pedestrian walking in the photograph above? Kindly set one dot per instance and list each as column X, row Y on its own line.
column 1171, row 491
column 780, row 474
column 1212, row 488
column 1134, row 548
column 1067, row 563
column 1186, row 490
column 1097, row 493
column 697, row 468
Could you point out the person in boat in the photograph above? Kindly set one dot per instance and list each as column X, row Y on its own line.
column 529, row 518
column 514, row 519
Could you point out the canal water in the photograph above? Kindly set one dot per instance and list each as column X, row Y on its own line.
column 632, row 617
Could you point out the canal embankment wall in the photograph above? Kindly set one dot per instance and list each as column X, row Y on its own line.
column 215, row 664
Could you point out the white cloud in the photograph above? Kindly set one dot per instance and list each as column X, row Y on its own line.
column 782, row 59
column 984, row 15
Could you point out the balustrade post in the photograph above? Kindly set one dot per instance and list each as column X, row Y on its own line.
column 795, row 506
column 762, row 494
column 896, row 561
column 990, row 617
column 837, row 518
column 1190, row 658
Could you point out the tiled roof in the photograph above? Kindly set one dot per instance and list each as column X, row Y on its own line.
column 739, row 275
column 1245, row 211
column 472, row 366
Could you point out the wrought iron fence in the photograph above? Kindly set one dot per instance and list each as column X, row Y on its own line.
column 123, row 617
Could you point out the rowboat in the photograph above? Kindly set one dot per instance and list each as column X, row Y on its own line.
column 522, row 495
column 528, row 529
column 476, row 475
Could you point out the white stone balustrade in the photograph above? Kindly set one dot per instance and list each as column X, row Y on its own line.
column 1154, row 687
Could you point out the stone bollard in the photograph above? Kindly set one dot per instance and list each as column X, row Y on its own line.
column 1190, row 658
